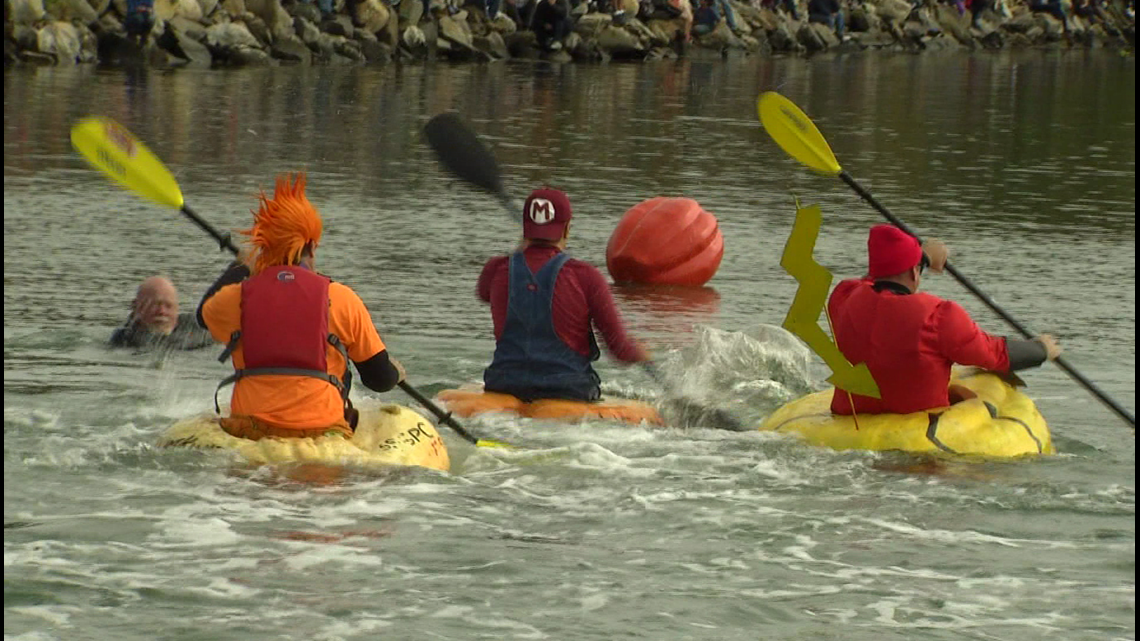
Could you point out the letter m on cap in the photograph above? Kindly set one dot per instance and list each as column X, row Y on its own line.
column 541, row 211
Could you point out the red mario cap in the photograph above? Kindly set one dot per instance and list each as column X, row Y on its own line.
column 891, row 251
column 545, row 214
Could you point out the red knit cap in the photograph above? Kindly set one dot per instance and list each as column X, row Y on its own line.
column 891, row 251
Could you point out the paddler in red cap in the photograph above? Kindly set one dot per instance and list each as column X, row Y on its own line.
column 909, row 339
column 545, row 307
column 291, row 331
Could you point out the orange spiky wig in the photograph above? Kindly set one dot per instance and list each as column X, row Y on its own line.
column 282, row 226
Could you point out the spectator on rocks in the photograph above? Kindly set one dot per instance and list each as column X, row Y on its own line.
column 709, row 14
column 1051, row 7
column 976, row 8
column 827, row 12
column 682, row 9
column 139, row 20
column 706, row 18
column 789, row 7
column 550, row 21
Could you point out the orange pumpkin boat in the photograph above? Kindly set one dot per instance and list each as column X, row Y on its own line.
column 665, row 241
column 470, row 402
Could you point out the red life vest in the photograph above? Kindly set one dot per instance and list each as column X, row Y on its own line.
column 285, row 328
column 891, row 333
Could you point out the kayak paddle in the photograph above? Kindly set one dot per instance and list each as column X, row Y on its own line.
column 798, row 136
column 464, row 155
column 115, row 151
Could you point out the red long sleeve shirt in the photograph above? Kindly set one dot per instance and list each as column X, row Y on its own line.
column 581, row 298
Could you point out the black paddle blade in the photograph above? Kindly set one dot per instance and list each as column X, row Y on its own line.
column 461, row 151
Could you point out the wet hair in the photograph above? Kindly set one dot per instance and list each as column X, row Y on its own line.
column 283, row 226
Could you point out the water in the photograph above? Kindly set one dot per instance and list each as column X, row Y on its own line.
column 1023, row 163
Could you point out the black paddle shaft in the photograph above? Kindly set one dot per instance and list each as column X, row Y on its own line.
column 444, row 417
column 223, row 239
column 968, row 284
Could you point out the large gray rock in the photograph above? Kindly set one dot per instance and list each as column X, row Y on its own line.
column 372, row 15
column 276, row 19
column 456, row 32
column 861, row 19
column 375, row 52
column 249, row 57
column 816, row 37
column 99, row 6
column 305, row 10
column 307, row 31
column 190, row 28
column 410, row 13
column 592, row 24
column 167, row 9
column 1051, row 27
column 493, row 45
column 504, row 25
column 25, row 12
column 234, row 8
column 782, row 39
column 615, row 40
column 347, row 48
column 952, row 23
column 68, row 10
column 291, row 49
column 338, row 25
column 183, row 46
column 1020, row 23
column 208, row 7
column 59, row 39
column 258, row 28
column 88, row 46
column 229, row 35
column 893, row 10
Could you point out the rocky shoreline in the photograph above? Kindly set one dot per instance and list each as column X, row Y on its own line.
column 213, row 33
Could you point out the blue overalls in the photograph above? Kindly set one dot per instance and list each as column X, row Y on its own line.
column 531, row 361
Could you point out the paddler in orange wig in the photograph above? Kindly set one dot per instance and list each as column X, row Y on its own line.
column 291, row 331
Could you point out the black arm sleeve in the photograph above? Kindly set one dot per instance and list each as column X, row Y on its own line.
column 1025, row 354
column 235, row 273
column 378, row 373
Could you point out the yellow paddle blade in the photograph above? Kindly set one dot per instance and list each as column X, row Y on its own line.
column 795, row 133
column 811, row 297
column 114, row 150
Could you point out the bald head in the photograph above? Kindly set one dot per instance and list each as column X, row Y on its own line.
column 156, row 305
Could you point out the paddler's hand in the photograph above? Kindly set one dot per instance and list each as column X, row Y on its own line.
column 1052, row 347
column 399, row 368
column 937, row 252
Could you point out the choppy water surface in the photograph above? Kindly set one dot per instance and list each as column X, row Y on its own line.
column 1024, row 164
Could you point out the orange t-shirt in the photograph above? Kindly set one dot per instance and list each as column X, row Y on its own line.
column 298, row 402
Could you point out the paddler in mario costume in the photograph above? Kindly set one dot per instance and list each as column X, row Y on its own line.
column 910, row 339
column 545, row 306
column 291, row 331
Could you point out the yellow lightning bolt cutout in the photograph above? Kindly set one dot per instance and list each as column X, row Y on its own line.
column 802, row 318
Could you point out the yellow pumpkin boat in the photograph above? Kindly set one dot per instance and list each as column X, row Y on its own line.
column 387, row 435
column 1001, row 422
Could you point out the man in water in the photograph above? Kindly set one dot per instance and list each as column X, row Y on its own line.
column 154, row 321
column 544, row 306
column 909, row 340
column 291, row 331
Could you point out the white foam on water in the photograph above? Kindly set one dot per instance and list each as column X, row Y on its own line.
column 58, row 616
column 331, row 556
column 341, row 629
